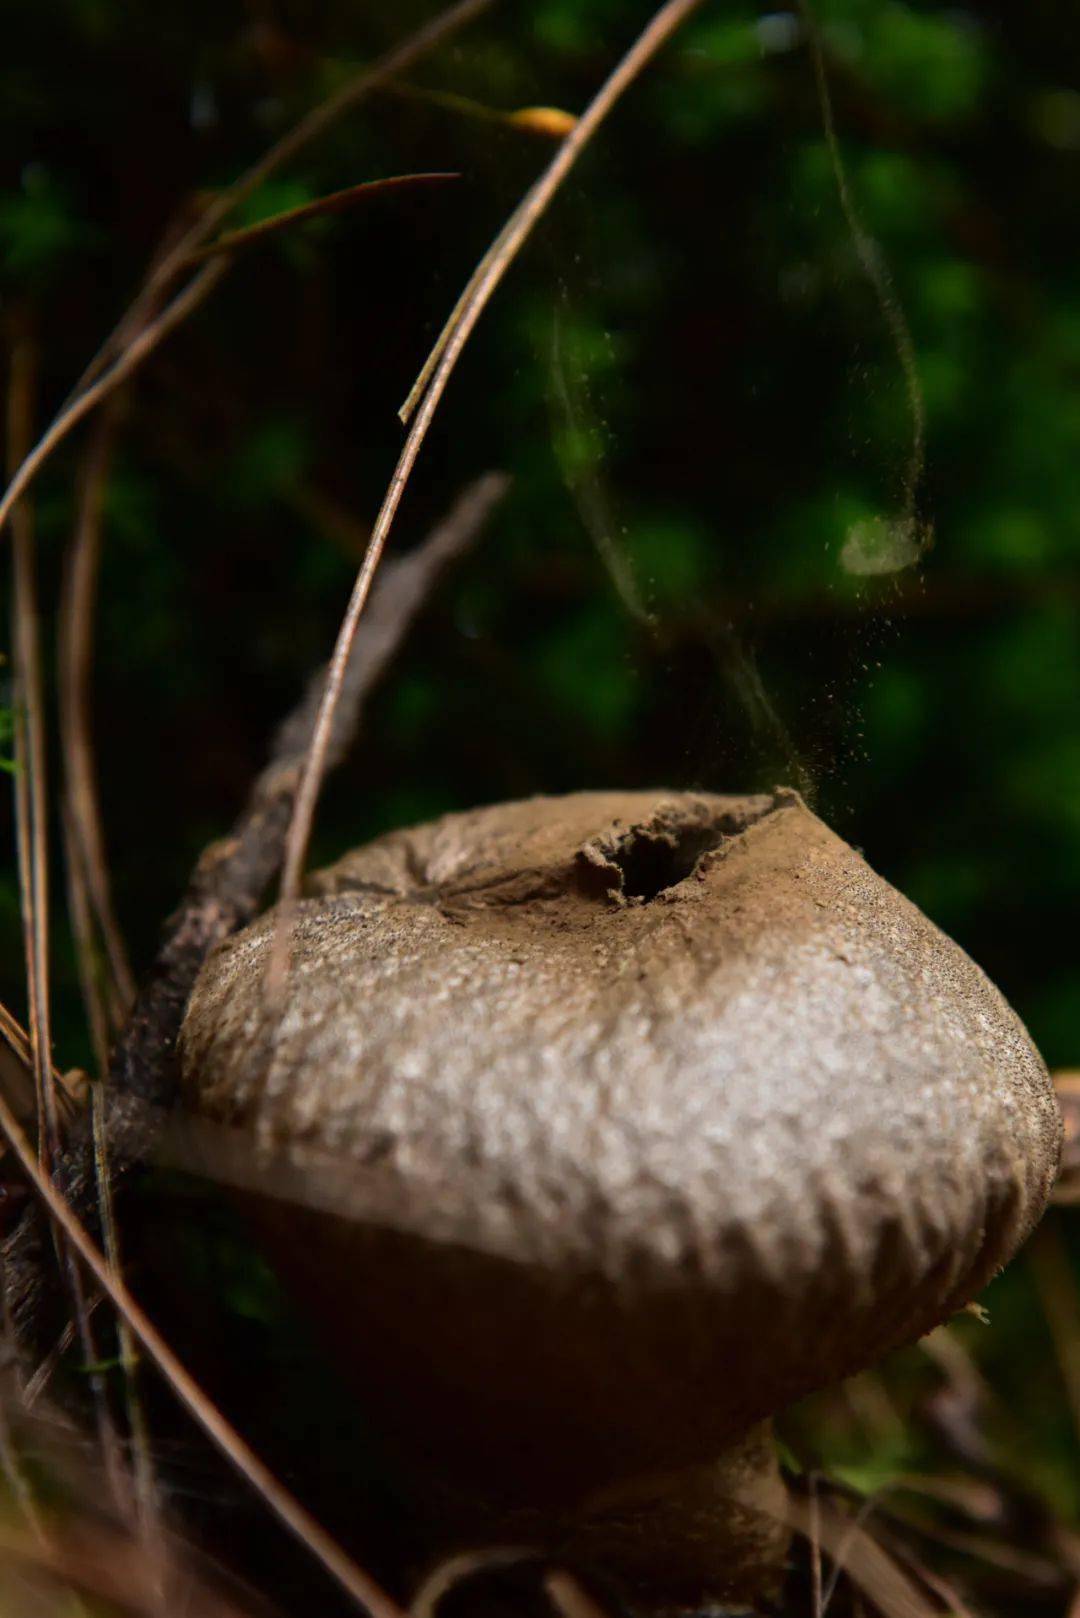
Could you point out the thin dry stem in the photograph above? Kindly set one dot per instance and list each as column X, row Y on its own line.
column 30, row 783
column 177, row 252
column 17, row 1040
column 493, row 267
column 934, row 1582
column 853, row 1526
column 570, row 1598
column 32, row 822
column 138, row 350
column 313, row 124
column 102, row 1564
column 137, row 334
column 457, row 1569
column 39, row 1381
column 17, row 1482
column 1054, row 1279
column 86, row 953
column 335, row 202
column 144, row 1481
column 866, row 1563
column 88, row 864
column 813, row 1529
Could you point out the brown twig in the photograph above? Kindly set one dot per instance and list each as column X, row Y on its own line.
column 492, row 269
column 313, row 124
column 139, row 331
column 335, row 202
column 232, row 876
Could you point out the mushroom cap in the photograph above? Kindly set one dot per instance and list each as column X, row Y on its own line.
column 633, row 1116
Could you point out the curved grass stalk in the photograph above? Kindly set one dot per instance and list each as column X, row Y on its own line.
column 137, row 334
column 490, row 271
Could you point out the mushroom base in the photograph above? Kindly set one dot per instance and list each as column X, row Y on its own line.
column 706, row 1536
column 494, row 1404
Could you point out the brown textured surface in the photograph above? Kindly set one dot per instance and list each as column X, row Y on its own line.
column 624, row 1174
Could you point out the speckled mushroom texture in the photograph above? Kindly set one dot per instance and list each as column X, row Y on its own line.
column 658, row 1110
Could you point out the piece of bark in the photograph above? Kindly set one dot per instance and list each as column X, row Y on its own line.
column 224, row 893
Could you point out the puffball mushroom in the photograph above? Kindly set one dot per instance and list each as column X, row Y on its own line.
column 659, row 1111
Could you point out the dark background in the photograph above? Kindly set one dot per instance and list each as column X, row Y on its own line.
column 690, row 368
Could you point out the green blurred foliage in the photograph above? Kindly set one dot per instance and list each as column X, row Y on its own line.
column 709, row 571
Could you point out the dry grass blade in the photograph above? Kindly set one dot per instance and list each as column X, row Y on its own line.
column 318, row 120
column 1067, row 1086
column 336, row 202
column 457, row 313
column 30, row 786
column 17, row 1040
column 103, row 1565
column 141, row 346
column 32, row 823
column 865, row 1562
column 31, row 820
column 1052, row 1270
column 86, row 952
column 143, row 1477
column 90, row 899
column 137, row 334
column 170, row 262
column 456, row 1569
column 493, row 267
column 37, row 1383
column 352, row 1579
column 813, row 1534
column 88, row 866
column 570, row 1598
column 853, row 1526
column 934, row 1582
column 17, row 1482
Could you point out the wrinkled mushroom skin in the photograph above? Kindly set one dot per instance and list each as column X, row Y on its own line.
column 635, row 1117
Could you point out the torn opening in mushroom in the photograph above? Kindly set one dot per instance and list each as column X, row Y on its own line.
column 642, row 861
